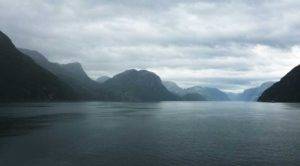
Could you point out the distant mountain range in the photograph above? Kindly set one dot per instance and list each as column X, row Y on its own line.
column 251, row 94
column 286, row 90
column 214, row 94
column 206, row 93
column 210, row 94
column 27, row 75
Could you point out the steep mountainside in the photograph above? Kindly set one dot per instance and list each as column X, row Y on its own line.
column 73, row 75
column 23, row 80
column 102, row 79
column 253, row 94
column 233, row 96
column 174, row 88
column 142, row 85
column 286, row 90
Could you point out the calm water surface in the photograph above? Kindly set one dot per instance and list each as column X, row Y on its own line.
column 164, row 133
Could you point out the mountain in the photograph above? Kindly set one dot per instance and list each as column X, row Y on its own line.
column 182, row 93
column 252, row 94
column 192, row 97
column 233, row 96
column 23, row 80
column 102, row 79
column 212, row 94
column 134, row 85
column 174, row 88
column 76, row 71
column 286, row 90
column 73, row 75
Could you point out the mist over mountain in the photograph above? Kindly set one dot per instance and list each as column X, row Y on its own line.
column 72, row 74
column 251, row 94
column 28, row 75
column 149, row 82
column 102, row 79
column 212, row 94
column 206, row 93
column 138, row 85
column 233, row 96
column 174, row 88
column 75, row 70
column 286, row 90
column 23, row 80
column 184, row 95
column 131, row 85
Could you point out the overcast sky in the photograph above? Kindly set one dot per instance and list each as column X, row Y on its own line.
column 230, row 45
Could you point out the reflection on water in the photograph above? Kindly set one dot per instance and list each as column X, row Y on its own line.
column 13, row 126
column 163, row 133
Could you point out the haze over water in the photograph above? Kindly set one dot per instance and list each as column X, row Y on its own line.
column 162, row 133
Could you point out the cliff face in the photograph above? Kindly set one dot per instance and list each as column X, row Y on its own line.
column 73, row 75
column 23, row 80
column 286, row 90
column 102, row 79
column 251, row 94
column 174, row 88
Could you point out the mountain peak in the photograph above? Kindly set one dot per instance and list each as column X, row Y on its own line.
column 135, row 71
column 102, row 79
column 174, row 88
column 139, row 75
column 24, row 80
column 209, row 93
column 138, row 85
column 74, row 67
column 35, row 55
column 130, row 70
column 5, row 42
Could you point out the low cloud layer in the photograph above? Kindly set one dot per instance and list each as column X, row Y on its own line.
column 231, row 45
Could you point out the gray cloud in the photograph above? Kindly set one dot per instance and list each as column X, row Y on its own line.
column 228, row 44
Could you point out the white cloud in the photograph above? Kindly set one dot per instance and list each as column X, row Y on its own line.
column 228, row 44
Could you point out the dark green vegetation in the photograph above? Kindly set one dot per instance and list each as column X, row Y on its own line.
column 142, row 85
column 23, row 80
column 286, row 90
